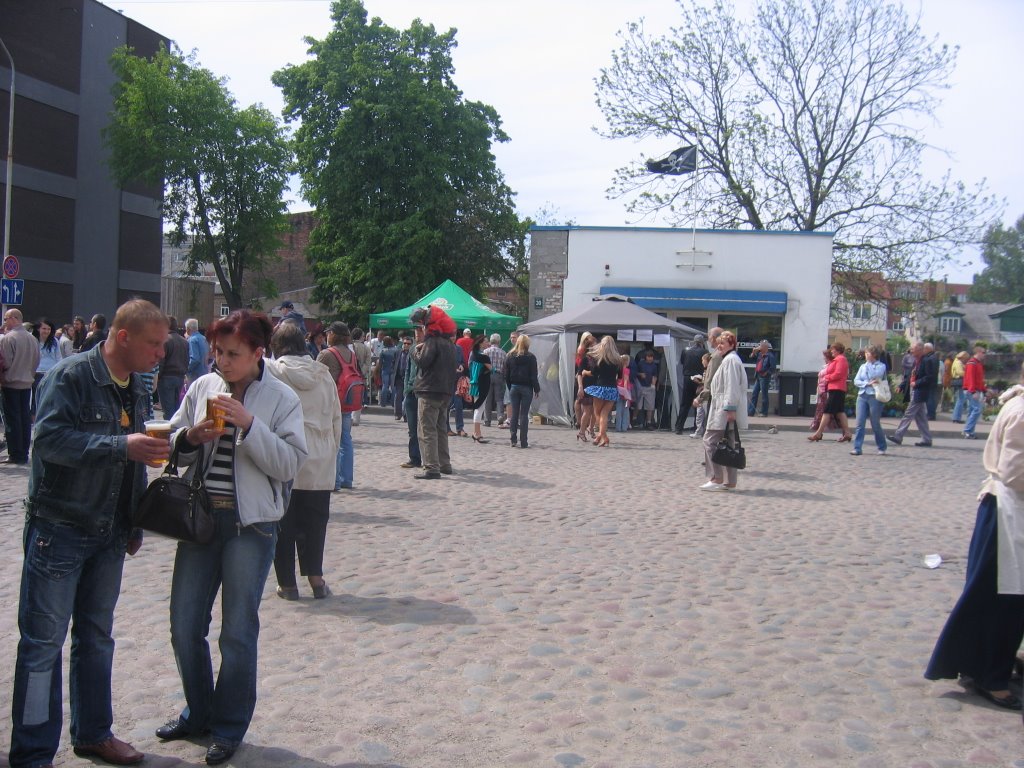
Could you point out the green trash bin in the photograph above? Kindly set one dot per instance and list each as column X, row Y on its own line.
column 789, row 393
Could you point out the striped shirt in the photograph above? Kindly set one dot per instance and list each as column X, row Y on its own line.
column 498, row 358
column 220, row 479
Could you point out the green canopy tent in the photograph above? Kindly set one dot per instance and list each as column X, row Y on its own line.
column 466, row 311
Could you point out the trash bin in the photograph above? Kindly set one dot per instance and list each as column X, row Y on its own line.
column 809, row 397
column 789, row 393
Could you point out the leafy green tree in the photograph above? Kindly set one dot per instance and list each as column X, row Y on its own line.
column 224, row 170
column 1002, row 279
column 806, row 117
column 398, row 165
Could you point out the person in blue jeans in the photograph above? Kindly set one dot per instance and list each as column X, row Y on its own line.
column 869, row 406
column 523, row 384
column 764, row 368
column 86, row 479
column 245, row 466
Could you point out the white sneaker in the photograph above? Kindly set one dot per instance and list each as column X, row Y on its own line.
column 694, row 435
column 710, row 486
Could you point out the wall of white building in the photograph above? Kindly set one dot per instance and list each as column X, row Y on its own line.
column 761, row 280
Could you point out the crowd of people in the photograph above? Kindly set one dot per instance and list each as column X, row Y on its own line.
column 264, row 414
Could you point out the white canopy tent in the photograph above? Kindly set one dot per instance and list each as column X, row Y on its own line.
column 553, row 340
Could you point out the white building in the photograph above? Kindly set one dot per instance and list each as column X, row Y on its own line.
column 763, row 285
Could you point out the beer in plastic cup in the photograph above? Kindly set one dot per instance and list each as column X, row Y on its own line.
column 159, row 428
column 215, row 411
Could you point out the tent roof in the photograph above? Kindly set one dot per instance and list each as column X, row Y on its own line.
column 607, row 315
column 465, row 310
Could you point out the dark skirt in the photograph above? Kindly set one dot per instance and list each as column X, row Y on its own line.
column 985, row 629
column 835, row 401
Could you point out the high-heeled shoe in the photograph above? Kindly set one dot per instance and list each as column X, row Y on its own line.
column 479, row 440
column 582, row 437
column 814, row 438
column 845, row 439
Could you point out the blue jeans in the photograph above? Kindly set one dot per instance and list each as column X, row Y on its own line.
column 168, row 388
column 67, row 575
column 622, row 415
column 522, row 397
column 386, row 392
column 972, row 401
column 868, row 406
column 760, row 386
column 457, row 405
column 235, row 563
column 412, row 421
column 345, row 464
column 958, row 403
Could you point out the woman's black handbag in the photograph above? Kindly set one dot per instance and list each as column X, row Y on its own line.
column 176, row 507
column 730, row 455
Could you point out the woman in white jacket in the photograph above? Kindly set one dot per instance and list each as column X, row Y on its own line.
column 728, row 404
column 245, row 464
column 304, row 525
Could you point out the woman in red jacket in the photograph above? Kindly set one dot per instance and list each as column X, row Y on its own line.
column 836, row 374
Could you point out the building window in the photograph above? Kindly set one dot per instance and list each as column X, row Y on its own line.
column 751, row 329
column 861, row 311
column 949, row 324
column 860, row 342
column 225, row 310
column 898, row 325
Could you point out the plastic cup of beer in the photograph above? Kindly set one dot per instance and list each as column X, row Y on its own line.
column 215, row 411
column 159, row 428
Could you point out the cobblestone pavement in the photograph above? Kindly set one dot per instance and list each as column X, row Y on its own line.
column 576, row 606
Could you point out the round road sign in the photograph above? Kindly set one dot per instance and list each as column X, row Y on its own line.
column 11, row 267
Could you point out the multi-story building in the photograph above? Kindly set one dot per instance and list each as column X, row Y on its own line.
column 84, row 244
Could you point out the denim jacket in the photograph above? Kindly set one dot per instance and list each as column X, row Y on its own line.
column 79, row 454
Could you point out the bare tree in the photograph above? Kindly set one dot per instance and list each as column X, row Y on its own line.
column 809, row 116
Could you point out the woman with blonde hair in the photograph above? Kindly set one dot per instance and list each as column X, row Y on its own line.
column 606, row 364
column 956, row 385
column 523, row 384
column 584, row 403
column 728, row 405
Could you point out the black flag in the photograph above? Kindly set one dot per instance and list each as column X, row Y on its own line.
column 683, row 160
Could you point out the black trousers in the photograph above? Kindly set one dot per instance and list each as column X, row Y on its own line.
column 303, row 529
column 686, row 403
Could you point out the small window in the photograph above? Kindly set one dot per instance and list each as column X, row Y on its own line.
column 949, row 324
column 225, row 310
column 898, row 325
column 860, row 342
column 862, row 311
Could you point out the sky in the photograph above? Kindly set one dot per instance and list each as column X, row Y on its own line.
column 535, row 62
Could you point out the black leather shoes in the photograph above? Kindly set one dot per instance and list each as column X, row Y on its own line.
column 218, row 753
column 176, row 729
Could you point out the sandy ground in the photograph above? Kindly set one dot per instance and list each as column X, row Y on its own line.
column 576, row 606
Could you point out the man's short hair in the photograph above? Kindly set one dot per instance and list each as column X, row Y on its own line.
column 14, row 313
column 287, row 305
column 100, row 321
column 495, row 338
column 288, row 339
column 191, row 325
column 134, row 315
column 172, row 321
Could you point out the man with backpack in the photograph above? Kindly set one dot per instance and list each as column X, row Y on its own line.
column 341, row 361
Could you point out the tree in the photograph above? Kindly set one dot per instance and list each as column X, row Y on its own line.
column 1002, row 279
column 224, row 170
column 805, row 118
column 398, row 165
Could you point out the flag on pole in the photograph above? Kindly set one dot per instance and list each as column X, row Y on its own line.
column 682, row 160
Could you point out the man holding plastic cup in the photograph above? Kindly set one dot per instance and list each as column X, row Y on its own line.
column 88, row 473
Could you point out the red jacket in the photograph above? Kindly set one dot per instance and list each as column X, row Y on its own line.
column 836, row 373
column 974, row 376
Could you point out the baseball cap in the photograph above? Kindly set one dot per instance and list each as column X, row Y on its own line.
column 287, row 305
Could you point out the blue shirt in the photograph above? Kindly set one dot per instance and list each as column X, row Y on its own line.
column 649, row 368
column 198, row 353
column 868, row 372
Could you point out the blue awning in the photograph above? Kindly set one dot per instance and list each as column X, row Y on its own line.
column 762, row 302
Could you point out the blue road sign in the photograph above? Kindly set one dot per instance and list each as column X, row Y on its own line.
column 12, row 291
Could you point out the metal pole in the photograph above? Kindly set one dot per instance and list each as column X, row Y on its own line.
column 10, row 164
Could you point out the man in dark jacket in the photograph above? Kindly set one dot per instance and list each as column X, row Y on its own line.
column 921, row 382
column 172, row 370
column 436, row 358
column 764, row 368
column 691, row 366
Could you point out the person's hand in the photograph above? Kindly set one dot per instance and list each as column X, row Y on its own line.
column 134, row 541
column 203, row 432
column 234, row 412
column 730, row 415
column 148, row 450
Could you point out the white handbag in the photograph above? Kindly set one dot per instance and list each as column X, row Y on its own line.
column 882, row 392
